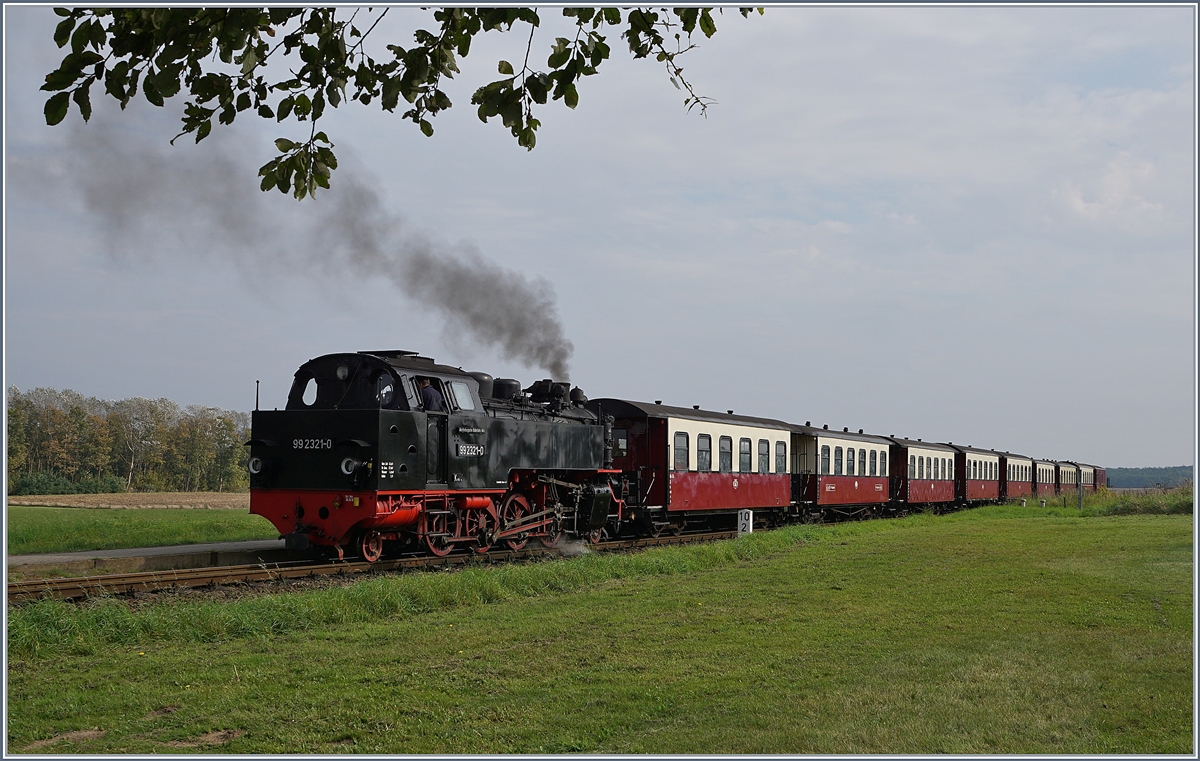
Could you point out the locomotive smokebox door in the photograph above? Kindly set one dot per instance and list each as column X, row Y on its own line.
column 595, row 501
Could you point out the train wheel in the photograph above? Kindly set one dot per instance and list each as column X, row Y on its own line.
column 370, row 546
column 439, row 528
column 598, row 536
column 515, row 507
column 676, row 529
column 553, row 535
column 481, row 525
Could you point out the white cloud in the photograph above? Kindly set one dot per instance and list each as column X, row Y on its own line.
column 1117, row 200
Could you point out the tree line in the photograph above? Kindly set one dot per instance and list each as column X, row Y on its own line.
column 61, row 442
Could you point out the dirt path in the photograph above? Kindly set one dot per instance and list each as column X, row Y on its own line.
column 195, row 500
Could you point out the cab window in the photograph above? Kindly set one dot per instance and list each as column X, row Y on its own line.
column 461, row 394
column 620, row 442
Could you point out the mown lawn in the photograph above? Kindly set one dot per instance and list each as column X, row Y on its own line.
column 71, row 529
column 997, row 630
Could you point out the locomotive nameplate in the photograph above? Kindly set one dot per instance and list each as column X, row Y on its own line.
column 470, row 450
column 312, row 443
column 465, row 429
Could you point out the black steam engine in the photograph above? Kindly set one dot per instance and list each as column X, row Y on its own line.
column 356, row 459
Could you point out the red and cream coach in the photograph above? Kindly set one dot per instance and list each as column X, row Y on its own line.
column 1017, row 476
column 979, row 479
column 1067, row 477
column 700, row 464
column 1046, row 475
column 839, row 473
column 922, row 473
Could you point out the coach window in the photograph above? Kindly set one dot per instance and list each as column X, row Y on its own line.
column 620, row 442
column 850, row 461
column 825, row 460
column 681, row 451
column 921, row 467
column 726, row 454
column 872, row 462
column 704, row 453
column 780, row 457
column 837, row 461
column 912, row 466
column 862, row 462
column 764, row 456
column 883, row 463
column 744, row 456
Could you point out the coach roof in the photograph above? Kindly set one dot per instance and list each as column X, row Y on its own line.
column 624, row 408
column 918, row 444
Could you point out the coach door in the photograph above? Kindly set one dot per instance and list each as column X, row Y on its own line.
column 435, row 447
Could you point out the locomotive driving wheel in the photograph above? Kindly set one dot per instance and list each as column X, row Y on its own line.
column 554, row 534
column 598, row 536
column 481, row 525
column 515, row 507
column 440, row 528
column 370, row 546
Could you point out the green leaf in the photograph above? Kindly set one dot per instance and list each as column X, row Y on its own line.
column 56, row 108
column 283, row 145
column 62, row 32
column 205, row 128
column 83, row 100
column 265, row 112
column 285, row 108
column 268, row 181
column 707, row 25
column 505, row 68
column 571, row 98
column 426, row 128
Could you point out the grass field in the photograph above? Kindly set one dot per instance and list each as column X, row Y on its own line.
column 998, row 630
column 68, row 529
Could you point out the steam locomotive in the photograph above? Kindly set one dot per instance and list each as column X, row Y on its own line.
column 355, row 462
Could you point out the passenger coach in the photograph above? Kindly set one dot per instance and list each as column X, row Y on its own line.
column 979, row 474
column 839, row 473
column 1046, row 475
column 1067, row 477
column 702, row 463
column 1016, row 476
column 922, row 473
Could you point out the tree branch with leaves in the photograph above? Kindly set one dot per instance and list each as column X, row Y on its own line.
column 219, row 58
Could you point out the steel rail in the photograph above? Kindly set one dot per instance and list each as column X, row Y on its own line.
column 149, row 581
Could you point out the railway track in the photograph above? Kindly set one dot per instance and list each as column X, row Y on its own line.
column 150, row 581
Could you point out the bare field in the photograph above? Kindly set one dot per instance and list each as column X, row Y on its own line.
column 194, row 500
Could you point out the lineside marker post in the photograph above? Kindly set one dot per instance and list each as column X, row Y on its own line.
column 745, row 522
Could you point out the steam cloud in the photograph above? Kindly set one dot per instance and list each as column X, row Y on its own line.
column 207, row 195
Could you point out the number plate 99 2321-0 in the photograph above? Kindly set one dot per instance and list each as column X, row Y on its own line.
column 312, row 443
column 470, row 450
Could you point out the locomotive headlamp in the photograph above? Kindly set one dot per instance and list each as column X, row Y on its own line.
column 255, row 466
column 343, row 372
column 349, row 465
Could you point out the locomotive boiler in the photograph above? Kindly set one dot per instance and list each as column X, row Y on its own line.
column 356, row 460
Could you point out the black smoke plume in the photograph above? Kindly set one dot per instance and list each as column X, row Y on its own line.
column 141, row 190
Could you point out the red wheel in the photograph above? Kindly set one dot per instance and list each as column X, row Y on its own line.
column 480, row 524
column 370, row 546
column 598, row 536
column 515, row 508
column 440, row 527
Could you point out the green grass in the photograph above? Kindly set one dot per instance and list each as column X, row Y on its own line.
column 72, row 529
column 999, row 630
column 1174, row 501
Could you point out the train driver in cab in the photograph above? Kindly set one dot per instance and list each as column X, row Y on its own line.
column 431, row 398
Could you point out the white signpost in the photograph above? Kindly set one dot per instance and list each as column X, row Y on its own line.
column 745, row 522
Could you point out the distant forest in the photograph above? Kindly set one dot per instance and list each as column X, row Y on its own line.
column 61, row 442
column 1144, row 478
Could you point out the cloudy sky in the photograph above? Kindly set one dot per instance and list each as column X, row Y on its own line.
column 966, row 224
